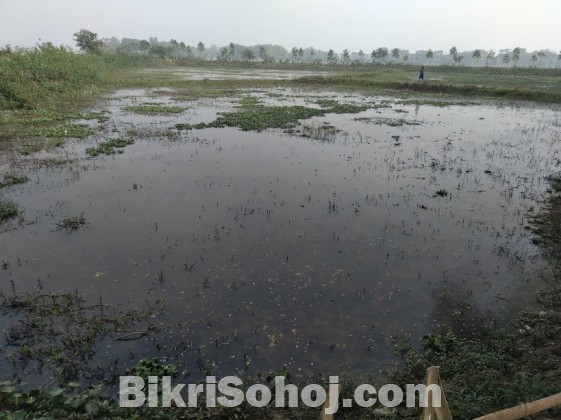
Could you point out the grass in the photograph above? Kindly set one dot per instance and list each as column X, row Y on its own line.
column 109, row 147
column 79, row 131
column 154, row 109
column 8, row 210
column 13, row 179
column 49, row 84
column 71, row 224
column 542, row 86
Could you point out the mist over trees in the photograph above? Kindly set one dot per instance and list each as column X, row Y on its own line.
column 88, row 42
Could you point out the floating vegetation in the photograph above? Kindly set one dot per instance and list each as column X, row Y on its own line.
column 79, row 131
column 392, row 122
column 154, row 109
column 60, row 331
column 324, row 132
column 109, row 147
column 71, row 223
column 8, row 210
column 441, row 193
column 12, row 179
column 101, row 117
column 256, row 117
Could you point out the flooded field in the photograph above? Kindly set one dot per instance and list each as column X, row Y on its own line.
column 307, row 246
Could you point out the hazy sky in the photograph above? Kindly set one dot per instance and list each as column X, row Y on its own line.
column 323, row 24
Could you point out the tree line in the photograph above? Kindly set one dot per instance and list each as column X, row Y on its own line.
column 89, row 42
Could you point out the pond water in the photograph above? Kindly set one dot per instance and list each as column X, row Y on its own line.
column 272, row 249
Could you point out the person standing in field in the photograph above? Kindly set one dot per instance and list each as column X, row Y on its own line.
column 422, row 74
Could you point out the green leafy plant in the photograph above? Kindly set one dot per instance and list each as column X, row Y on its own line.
column 154, row 109
column 64, row 131
column 71, row 223
column 109, row 147
column 8, row 210
column 13, row 179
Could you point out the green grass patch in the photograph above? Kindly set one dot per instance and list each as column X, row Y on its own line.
column 154, row 109
column 71, row 223
column 256, row 117
column 109, row 147
column 8, row 210
column 79, row 131
column 13, row 179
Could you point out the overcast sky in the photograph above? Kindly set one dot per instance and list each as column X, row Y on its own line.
column 323, row 24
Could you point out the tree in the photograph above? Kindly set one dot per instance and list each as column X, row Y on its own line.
column 201, row 48
column 534, row 59
column 458, row 58
column 189, row 51
column 476, row 56
column 429, row 55
column 331, row 57
column 516, row 55
column 144, row 45
column 382, row 53
column 294, row 53
column 263, row 55
column 87, row 41
column 506, row 58
column 491, row 57
column 373, row 55
column 223, row 53
column 405, row 58
column 361, row 56
column 301, row 54
column 248, row 54
column 232, row 50
column 395, row 54
column 160, row 50
column 541, row 56
column 453, row 51
column 346, row 56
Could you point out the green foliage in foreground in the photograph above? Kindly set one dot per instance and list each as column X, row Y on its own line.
column 109, row 147
column 50, row 76
column 79, row 131
column 154, row 109
column 8, row 210
column 256, row 117
column 13, row 179
column 71, row 223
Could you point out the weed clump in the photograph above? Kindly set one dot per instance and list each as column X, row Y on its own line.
column 71, row 223
column 256, row 117
column 154, row 109
column 79, row 131
column 8, row 210
column 13, row 179
column 109, row 147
